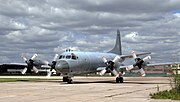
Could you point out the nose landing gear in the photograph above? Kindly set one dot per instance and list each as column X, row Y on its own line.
column 67, row 79
column 119, row 80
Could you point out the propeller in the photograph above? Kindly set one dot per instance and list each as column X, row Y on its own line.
column 52, row 65
column 139, row 63
column 110, row 65
column 30, row 64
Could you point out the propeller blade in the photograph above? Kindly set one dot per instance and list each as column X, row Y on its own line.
column 147, row 58
column 129, row 67
column 104, row 59
column 110, row 65
column 114, row 72
column 49, row 73
column 142, row 72
column 116, row 59
column 24, row 58
column 24, row 71
column 34, row 56
column 52, row 65
column 134, row 54
column 55, row 57
column 103, row 72
column 35, row 69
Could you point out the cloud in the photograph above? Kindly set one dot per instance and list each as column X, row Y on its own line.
column 177, row 15
column 15, row 36
column 132, row 36
column 50, row 26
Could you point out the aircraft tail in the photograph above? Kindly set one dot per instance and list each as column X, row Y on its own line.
column 117, row 48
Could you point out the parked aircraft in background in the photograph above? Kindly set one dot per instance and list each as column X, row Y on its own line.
column 71, row 63
column 31, row 65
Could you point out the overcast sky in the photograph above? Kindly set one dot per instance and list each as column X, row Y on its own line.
column 47, row 27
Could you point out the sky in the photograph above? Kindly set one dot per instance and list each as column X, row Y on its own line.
column 47, row 27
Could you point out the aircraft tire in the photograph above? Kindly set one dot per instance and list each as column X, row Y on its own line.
column 119, row 79
column 69, row 81
column 58, row 74
column 65, row 79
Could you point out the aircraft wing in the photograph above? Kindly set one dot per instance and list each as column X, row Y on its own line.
column 15, row 64
column 131, row 56
column 100, row 69
column 154, row 64
column 45, row 66
column 161, row 64
column 124, row 68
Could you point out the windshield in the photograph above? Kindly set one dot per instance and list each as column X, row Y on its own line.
column 72, row 56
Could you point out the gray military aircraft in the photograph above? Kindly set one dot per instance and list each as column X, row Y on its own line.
column 71, row 63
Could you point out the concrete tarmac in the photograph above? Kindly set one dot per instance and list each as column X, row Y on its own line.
column 85, row 89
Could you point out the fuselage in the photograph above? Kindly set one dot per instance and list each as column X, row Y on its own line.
column 82, row 62
column 76, row 62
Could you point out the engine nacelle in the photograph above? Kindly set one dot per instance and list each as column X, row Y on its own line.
column 121, row 59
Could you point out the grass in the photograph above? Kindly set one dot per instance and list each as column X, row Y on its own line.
column 173, row 94
column 167, row 94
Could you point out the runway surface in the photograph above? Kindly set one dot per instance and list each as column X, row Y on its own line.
column 84, row 89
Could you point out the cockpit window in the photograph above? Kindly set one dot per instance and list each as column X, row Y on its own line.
column 60, row 57
column 72, row 56
column 68, row 56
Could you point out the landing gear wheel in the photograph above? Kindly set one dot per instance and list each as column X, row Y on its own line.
column 119, row 80
column 58, row 74
column 65, row 79
column 69, row 81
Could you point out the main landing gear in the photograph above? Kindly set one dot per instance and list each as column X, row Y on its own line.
column 67, row 79
column 119, row 80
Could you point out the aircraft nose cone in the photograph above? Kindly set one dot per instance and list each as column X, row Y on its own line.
column 62, row 66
